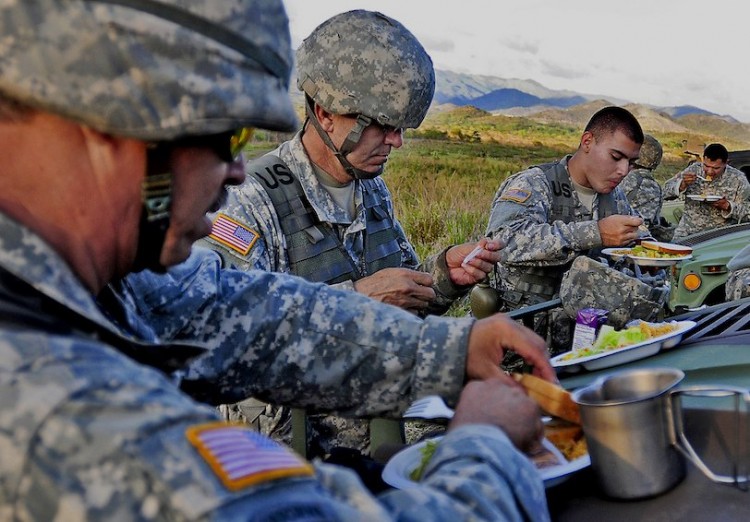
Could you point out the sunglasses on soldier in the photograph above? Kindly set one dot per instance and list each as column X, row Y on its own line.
column 226, row 145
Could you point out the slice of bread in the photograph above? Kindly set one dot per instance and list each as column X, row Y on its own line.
column 667, row 248
column 551, row 398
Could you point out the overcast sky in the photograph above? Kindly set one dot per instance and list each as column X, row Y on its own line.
column 657, row 52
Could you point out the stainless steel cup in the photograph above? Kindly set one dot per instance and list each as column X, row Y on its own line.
column 633, row 426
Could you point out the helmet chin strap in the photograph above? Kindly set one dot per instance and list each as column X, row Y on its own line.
column 349, row 143
column 156, row 196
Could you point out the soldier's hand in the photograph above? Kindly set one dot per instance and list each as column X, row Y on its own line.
column 402, row 287
column 477, row 268
column 494, row 402
column 687, row 179
column 619, row 230
column 492, row 336
column 723, row 204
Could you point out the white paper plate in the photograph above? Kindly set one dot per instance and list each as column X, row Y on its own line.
column 625, row 354
column 618, row 253
column 397, row 469
column 698, row 197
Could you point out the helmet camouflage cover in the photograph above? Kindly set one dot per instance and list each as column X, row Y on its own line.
column 150, row 70
column 651, row 152
column 363, row 62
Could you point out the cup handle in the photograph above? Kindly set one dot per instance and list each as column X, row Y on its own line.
column 678, row 438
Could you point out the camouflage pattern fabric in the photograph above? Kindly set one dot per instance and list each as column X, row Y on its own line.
column 363, row 62
column 250, row 205
column 521, row 217
column 180, row 65
column 93, row 435
column 699, row 216
column 591, row 284
column 738, row 282
column 644, row 194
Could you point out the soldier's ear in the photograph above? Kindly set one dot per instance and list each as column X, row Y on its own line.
column 587, row 141
column 324, row 117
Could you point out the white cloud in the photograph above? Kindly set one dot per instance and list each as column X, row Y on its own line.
column 659, row 52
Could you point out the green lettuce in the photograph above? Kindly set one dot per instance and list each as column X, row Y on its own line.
column 610, row 338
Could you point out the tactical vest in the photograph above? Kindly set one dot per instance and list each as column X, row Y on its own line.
column 314, row 249
column 542, row 283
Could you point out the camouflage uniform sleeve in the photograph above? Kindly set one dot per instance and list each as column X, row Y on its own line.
column 497, row 482
column 446, row 292
column 520, row 217
column 672, row 185
column 287, row 341
column 739, row 200
column 249, row 207
column 97, row 453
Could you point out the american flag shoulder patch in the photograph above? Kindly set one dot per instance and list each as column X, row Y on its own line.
column 241, row 457
column 233, row 234
column 516, row 195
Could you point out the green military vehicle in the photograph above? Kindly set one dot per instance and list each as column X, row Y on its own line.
column 700, row 280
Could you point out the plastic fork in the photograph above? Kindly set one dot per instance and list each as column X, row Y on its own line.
column 429, row 407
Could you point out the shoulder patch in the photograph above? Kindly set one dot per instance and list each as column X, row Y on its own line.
column 516, row 195
column 233, row 234
column 241, row 457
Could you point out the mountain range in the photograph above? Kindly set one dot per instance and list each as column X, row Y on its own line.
column 515, row 96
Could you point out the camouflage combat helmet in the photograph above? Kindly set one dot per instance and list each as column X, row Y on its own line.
column 151, row 70
column 366, row 64
column 651, row 152
column 363, row 62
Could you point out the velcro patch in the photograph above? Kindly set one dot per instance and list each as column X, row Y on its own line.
column 233, row 234
column 242, row 457
column 516, row 195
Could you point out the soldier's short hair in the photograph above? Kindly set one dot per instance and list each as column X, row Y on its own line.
column 610, row 119
column 716, row 151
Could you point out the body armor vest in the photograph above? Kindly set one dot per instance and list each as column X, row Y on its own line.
column 314, row 249
column 539, row 284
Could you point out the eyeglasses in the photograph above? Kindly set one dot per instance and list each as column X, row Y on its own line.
column 226, row 145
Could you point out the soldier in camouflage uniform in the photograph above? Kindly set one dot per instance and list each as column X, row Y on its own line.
column 135, row 106
column 644, row 193
column 317, row 207
column 548, row 215
column 712, row 177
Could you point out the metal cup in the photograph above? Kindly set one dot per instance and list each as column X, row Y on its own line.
column 634, row 430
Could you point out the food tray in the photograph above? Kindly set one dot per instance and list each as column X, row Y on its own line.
column 625, row 354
